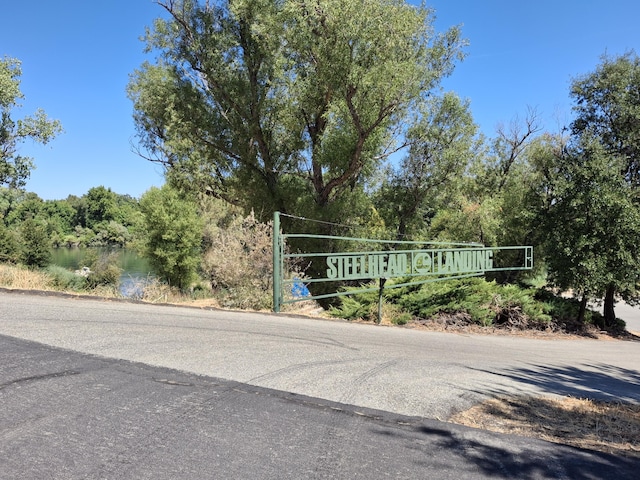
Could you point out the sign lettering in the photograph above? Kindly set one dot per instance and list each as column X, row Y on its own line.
column 418, row 262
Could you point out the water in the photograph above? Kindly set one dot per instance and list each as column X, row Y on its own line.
column 136, row 269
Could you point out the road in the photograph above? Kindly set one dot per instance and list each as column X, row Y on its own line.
column 356, row 385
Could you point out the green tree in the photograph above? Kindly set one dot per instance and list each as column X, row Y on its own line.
column 28, row 205
column 442, row 144
column 101, row 207
column 35, row 244
column 287, row 105
column 593, row 226
column 9, row 246
column 174, row 235
column 14, row 168
column 607, row 107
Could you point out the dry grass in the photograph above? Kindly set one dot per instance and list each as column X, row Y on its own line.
column 603, row 426
column 22, row 278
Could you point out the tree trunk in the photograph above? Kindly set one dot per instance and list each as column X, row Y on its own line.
column 583, row 308
column 609, row 313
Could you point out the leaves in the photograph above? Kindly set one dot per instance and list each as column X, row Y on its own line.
column 285, row 105
column 14, row 168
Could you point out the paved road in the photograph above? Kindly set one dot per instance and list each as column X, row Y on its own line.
column 409, row 372
column 387, row 381
column 67, row 415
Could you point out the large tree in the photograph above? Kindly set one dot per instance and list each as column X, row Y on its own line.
column 596, row 209
column 15, row 168
column 593, row 226
column 607, row 105
column 288, row 104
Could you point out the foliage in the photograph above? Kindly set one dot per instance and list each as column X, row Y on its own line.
column 35, row 244
column 593, row 225
column 116, row 220
column 104, row 268
column 285, row 105
column 174, row 235
column 9, row 247
column 595, row 211
column 607, row 107
column 474, row 300
column 63, row 279
column 239, row 264
column 442, row 143
column 100, row 206
column 14, row 168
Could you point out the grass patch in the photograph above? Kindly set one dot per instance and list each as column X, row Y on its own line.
column 65, row 280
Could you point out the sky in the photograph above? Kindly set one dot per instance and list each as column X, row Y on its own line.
column 77, row 56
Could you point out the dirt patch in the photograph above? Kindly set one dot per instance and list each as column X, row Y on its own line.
column 602, row 426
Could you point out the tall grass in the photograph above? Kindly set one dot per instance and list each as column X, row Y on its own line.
column 23, row 278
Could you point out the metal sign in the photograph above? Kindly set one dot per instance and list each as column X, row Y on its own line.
column 403, row 259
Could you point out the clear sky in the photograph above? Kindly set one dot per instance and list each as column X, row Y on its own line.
column 77, row 56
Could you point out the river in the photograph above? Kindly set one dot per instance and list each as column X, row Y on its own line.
column 135, row 268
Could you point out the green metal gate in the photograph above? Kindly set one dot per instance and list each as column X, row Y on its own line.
column 409, row 260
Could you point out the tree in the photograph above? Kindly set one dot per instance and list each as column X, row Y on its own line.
column 442, row 144
column 593, row 226
column 607, row 107
column 101, row 206
column 9, row 246
column 14, row 168
column 174, row 235
column 35, row 244
column 287, row 105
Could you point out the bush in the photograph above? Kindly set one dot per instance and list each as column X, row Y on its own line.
column 473, row 300
column 9, row 248
column 104, row 268
column 173, row 235
column 238, row 263
column 35, row 244
column 63, row 279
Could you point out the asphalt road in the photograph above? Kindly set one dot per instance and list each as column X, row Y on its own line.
column 237, row 395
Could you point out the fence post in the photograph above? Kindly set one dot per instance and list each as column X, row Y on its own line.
column 277, row 265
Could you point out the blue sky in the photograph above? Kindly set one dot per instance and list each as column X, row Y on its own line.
column 77, row 56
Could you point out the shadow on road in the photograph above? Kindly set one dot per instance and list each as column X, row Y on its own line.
column 597, row 382
column 474, row 453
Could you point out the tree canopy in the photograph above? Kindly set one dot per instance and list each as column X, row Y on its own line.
column 287, row 105
column 595, row 213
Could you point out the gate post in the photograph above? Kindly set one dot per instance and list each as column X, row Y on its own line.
column 277, row 264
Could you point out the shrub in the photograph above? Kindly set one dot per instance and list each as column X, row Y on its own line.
column 174, row 235
column 63, row 279
column 9, row 248
column 238, row 263
column 35, row 244
column 104, row 268
column 473, row 300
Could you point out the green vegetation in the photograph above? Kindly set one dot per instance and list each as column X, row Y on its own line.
column 14, row 168
column 332, row 110
column 472, row 301
column 174, row 235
